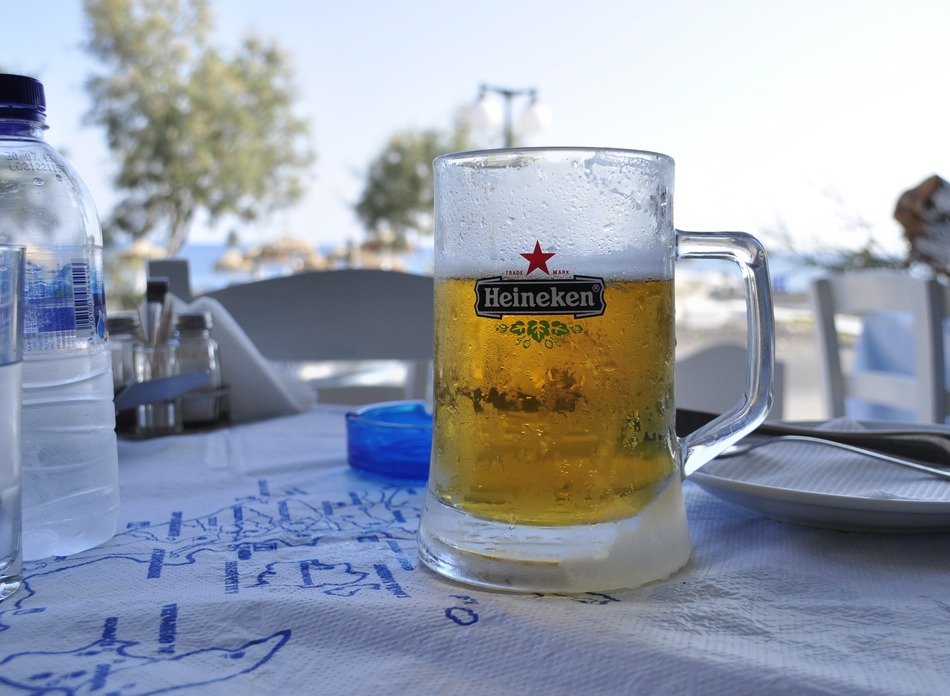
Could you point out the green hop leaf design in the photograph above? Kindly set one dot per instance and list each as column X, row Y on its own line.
column 547, row 333
column 539, row 330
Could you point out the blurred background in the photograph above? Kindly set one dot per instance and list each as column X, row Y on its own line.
column 262, row 138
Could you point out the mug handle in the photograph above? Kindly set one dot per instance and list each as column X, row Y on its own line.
column 745, row 251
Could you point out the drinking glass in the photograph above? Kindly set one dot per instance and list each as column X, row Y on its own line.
column 555, row 464
column 153, row 362
column 11, row 376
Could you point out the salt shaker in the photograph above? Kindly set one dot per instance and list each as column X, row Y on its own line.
column 155, row 362
column 198, row 352
column 124, row 331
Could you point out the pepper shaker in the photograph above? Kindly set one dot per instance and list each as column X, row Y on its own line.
column 124, row 332
column 198, row 352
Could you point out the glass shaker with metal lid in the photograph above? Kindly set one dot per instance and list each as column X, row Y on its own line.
column 124, row 332
column 198, row 352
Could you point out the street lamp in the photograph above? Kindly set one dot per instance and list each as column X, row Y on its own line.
column 487, row 112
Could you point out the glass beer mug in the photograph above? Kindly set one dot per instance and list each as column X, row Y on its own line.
column 555, row 462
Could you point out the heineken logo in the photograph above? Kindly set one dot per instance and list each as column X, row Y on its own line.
column 580, row 296
column 560, row 293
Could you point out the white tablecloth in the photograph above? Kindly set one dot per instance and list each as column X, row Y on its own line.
column 253, row 560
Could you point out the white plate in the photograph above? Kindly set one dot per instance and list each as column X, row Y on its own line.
column 806, row 503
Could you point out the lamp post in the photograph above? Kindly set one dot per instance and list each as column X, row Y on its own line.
column 485, row 113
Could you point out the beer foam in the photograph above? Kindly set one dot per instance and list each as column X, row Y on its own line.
column 650, row 546
column 599, row 212
column 623, row 263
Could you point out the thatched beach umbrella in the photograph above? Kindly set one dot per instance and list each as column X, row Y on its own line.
column 233, row 260
column 285, row 248
column 316, row 262
column 142, row 250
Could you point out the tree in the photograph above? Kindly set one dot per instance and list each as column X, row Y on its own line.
column 194, row 132
column 827, row 255
column 398, row 194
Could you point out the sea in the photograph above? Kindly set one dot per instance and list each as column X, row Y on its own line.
column 789, row 276
column 202, row 258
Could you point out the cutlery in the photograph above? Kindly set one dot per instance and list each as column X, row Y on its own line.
column 160, row 389
column 744, row 447
column 926, row 445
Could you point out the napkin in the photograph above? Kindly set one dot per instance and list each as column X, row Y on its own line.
column 257, row 388
column 803, row 466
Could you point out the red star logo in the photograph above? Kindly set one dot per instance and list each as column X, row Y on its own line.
column 538, row 259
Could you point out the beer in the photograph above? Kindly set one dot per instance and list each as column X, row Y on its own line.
column 555, row 464
column 551, row 419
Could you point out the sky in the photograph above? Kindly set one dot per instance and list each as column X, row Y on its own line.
column 806, row 115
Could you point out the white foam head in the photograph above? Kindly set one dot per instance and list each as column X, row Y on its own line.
column 601, row 211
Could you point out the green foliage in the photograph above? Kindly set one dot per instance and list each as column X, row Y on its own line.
column 836, row 259
column 841, row 260
column 397, row 197
column 193, row 132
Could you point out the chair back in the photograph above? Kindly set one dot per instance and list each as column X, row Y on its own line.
column 713, row 378
column 353, row 314
column 177, row 272
column 338, row 315
column 924, row 301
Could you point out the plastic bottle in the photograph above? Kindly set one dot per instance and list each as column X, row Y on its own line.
column 70, row 462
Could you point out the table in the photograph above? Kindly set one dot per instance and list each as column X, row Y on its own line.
column 252, row 559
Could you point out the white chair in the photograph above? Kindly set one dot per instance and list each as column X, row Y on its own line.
column 924, row 303
column 712, row 379
column 351, row 315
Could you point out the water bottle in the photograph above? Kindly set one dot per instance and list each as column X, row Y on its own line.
column 70, row 462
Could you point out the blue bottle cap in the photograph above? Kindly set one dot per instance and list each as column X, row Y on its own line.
column 392, row 439
column 21, row 96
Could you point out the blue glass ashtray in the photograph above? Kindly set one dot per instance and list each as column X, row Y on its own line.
column 391, row 439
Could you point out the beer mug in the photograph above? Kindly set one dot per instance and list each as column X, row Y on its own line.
column 555, row 463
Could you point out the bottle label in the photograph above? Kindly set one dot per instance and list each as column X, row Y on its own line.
column 64, row 299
